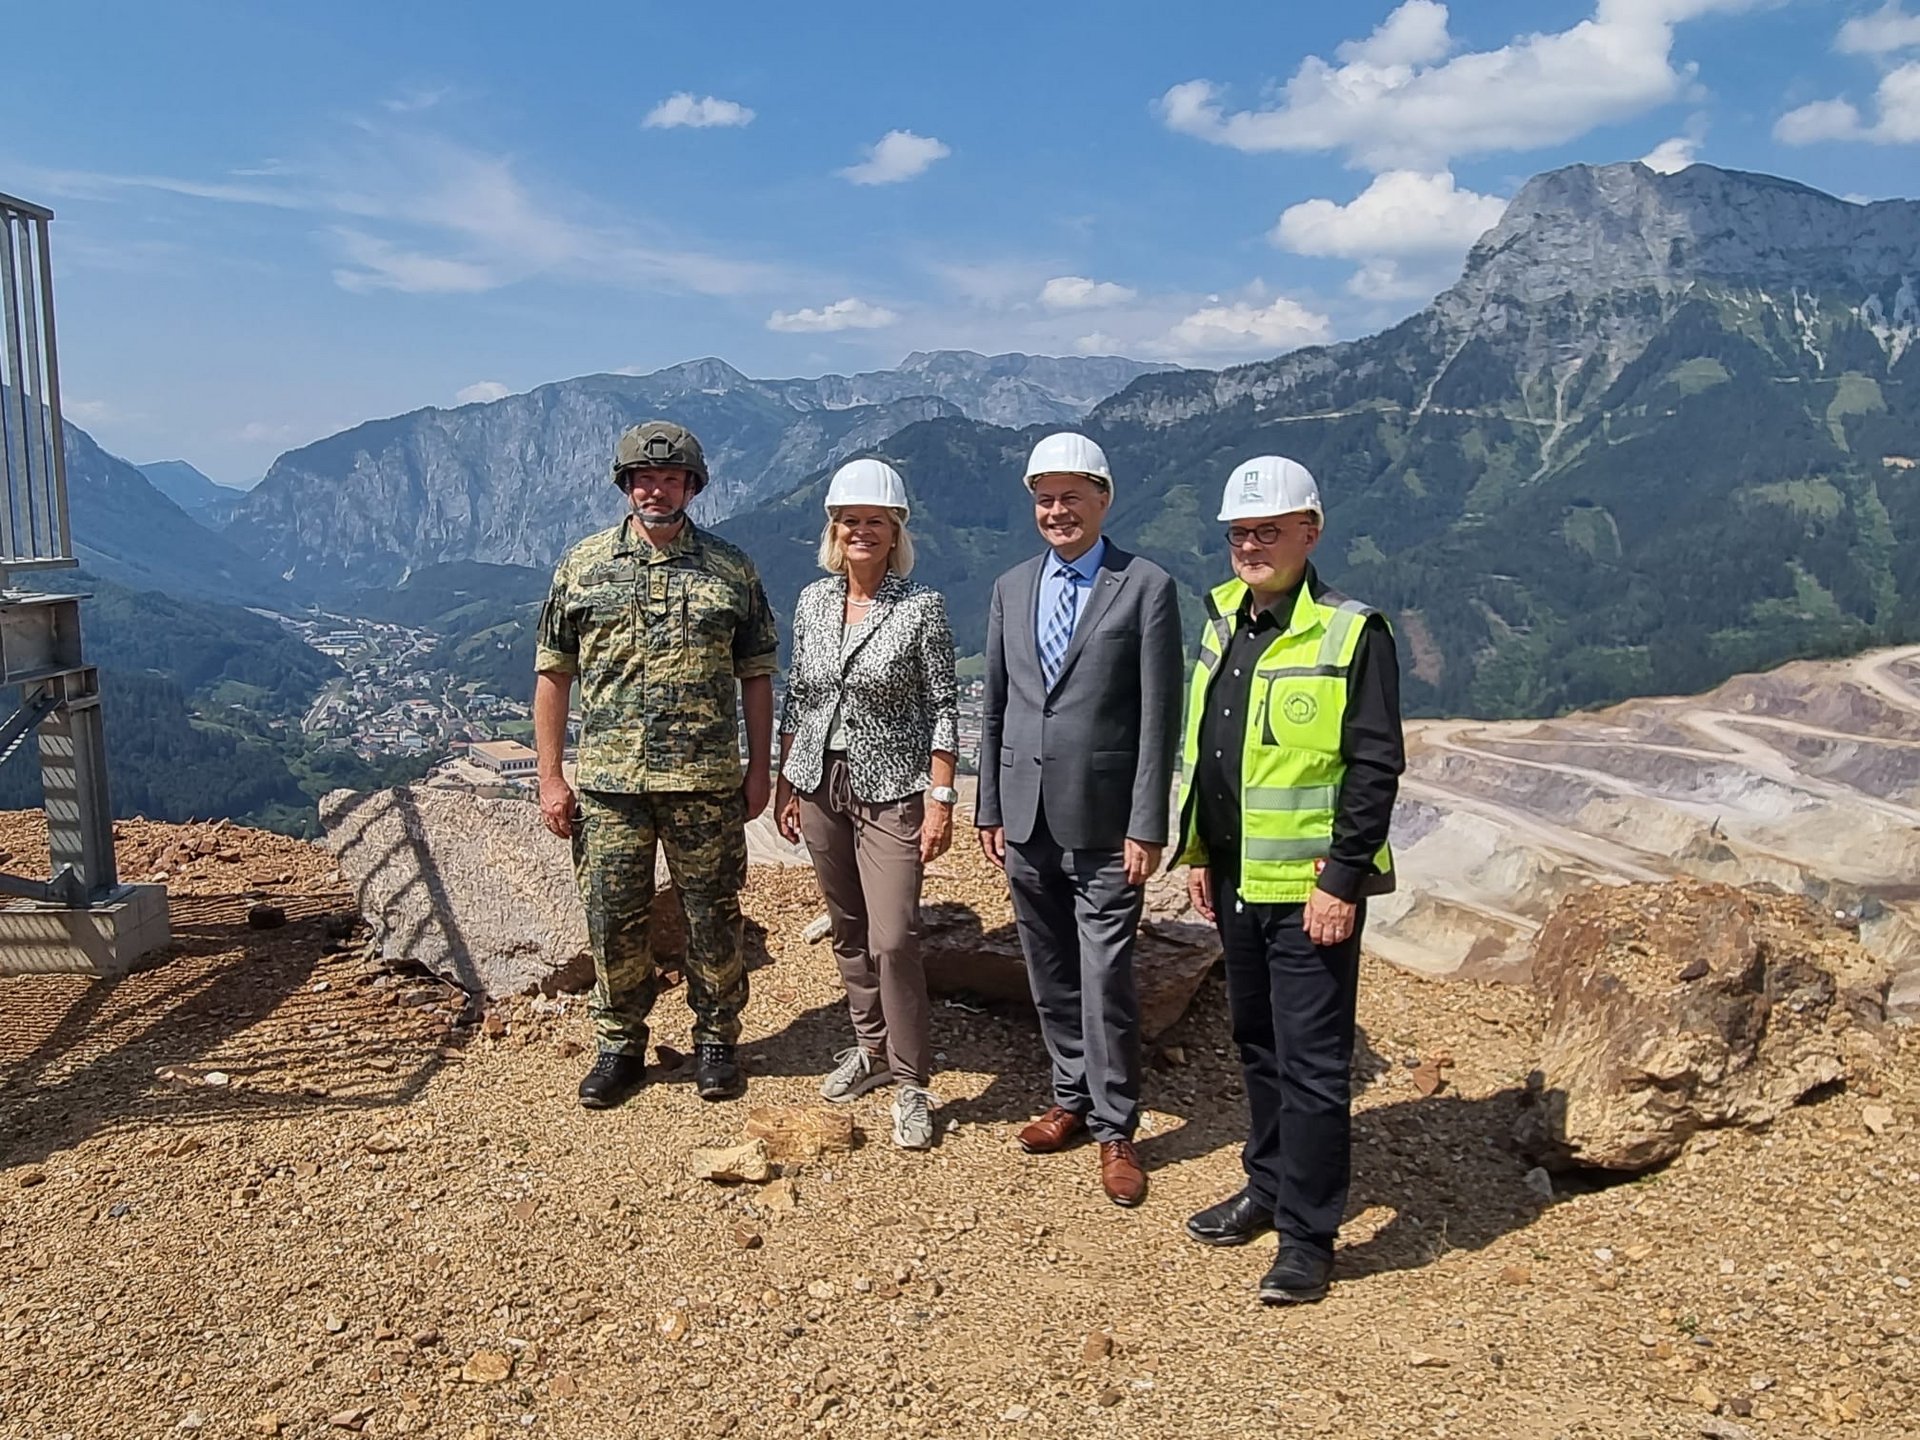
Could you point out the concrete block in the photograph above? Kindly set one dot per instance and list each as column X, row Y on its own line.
column 105, row 941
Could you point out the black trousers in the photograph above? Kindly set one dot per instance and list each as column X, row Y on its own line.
column 1292, row 1004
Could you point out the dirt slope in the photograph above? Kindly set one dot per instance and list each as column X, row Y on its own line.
column 372, row 1200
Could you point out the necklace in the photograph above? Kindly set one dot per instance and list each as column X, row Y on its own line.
column 858, row 604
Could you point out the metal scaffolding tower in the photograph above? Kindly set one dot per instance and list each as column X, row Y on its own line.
column 80, row 918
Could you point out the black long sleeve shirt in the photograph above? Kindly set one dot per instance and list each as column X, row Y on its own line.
column 1370, row 743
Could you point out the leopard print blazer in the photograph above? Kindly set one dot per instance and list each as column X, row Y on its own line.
column 895, row 687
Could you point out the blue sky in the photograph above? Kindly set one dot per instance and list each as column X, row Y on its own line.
column 276, row 221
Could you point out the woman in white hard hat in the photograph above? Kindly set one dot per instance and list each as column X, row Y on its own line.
column 868, row 738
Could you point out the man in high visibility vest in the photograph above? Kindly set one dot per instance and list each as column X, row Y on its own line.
column 1292, row 761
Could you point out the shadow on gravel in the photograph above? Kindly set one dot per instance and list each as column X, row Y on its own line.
column 78, row 1056
column 1443, row 1166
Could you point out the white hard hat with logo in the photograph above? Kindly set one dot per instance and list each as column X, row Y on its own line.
column 1270, row 485
column 1067, row 453
column 867, row 482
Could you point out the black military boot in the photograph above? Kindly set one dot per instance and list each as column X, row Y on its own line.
column 612, row 1079
column 716, row 1075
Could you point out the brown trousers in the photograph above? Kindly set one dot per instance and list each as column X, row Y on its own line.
column 867, row 860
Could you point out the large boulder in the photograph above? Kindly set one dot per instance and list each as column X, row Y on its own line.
column 1685, row 1006
column 477, row 890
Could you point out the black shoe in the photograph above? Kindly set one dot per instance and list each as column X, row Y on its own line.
column 1298, row 1277
column 1231, row 1222
column 613, row 1078
column 716, row 1076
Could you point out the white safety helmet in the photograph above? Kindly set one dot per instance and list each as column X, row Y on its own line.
column 1270, row 485
column 868, row 482
column 1068, row 453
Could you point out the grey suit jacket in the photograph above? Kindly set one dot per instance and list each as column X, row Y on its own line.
column 1097, row 750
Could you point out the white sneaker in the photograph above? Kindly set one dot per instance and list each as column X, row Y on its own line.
column 855, row 1073
column 913, row 1118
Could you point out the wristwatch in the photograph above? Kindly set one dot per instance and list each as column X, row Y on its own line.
column 945, row 794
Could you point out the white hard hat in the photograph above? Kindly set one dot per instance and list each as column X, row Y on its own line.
column 1068, row 454
column 1269, row 485
column 867, row 482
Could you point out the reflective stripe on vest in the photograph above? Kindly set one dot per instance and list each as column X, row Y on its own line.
column 1291, row 766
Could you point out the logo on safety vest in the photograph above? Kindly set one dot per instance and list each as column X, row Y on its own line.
column 1300, row 707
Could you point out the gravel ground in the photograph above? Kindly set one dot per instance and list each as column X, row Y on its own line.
column 270, row 1188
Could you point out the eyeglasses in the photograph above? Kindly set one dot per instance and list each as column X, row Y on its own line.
column 1238, row 535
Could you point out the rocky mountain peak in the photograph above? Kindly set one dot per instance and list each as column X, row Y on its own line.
column 707, row 373
column 1591, row 230
column 918, row 361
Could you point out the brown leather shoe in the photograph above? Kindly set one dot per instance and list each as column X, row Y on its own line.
column 1121, row 1174
column 1051, row 1131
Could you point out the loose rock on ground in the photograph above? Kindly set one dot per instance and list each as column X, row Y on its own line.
column 1772, row 1272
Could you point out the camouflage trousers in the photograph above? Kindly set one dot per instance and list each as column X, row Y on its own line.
column 613, row 858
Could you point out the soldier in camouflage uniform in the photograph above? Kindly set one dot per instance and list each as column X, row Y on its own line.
column 658, row 620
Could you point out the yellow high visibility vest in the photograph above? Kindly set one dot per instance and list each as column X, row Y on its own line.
column 1290, row 766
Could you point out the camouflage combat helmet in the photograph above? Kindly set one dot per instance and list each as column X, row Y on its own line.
column 660, row 442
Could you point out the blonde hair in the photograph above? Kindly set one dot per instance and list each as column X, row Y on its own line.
column 833, row 549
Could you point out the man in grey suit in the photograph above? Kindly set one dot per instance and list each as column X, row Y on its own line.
column 1076, row 766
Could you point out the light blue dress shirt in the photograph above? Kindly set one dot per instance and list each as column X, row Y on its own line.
column 1083, row 572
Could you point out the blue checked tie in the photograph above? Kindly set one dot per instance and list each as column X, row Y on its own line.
column 1058, row 635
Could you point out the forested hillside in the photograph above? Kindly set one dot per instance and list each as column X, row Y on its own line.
column 201, row 704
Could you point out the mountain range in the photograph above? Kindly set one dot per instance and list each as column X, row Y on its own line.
column 514, row 481
column 1661, row 431
column 209, row 503
column 125, row 530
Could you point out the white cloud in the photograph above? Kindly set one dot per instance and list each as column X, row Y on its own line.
column 1415, row 34
column 481, row 392
column 378, row 265
column 89, row 185
column 1099, row 343
column 898, row 155
column 848, row 314
column 1396, row 102
column 411, row 102
column 1670, row 157
column 415, row 212
column 1403, row 212
column 998, row 284
column 1821, row 120
column 1896, row 115
column 1885, row 31
column 1386, row 281
column 1076, row 292
column 1250, row 327
column 704, row 113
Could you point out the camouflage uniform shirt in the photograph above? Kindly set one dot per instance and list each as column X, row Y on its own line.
column 658, row 637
